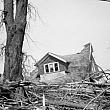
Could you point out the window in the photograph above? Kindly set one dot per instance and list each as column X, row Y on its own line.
column 51, row 67
column 56, row 66
column 46, row 69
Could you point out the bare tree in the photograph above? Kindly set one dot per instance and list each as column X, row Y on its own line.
column 15, row 24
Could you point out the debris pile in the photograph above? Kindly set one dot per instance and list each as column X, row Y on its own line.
column 78, row 96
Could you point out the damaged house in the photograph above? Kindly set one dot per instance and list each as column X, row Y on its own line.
column 74, row 67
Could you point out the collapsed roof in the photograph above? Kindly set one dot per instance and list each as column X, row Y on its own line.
column 78, row 59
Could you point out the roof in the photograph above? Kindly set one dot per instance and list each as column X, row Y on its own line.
column 53, row 55
column 83, row 56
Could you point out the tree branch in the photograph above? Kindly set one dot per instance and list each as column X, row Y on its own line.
column 21, row 11
column 95, row 98
column 8, row 12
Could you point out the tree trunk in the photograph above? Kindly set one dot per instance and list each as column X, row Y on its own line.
column 15, row 28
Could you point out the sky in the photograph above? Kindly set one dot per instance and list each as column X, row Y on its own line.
column 65, row 26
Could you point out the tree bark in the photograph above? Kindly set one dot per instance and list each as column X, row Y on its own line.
column 15, row 28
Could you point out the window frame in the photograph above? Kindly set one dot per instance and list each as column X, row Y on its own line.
column 45, row 68
column 53, row 64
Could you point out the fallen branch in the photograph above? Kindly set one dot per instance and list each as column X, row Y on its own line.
column 95, row 98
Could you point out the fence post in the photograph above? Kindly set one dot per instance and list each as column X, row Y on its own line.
column 43, row 101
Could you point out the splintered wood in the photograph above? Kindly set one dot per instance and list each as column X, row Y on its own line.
column 71, row 96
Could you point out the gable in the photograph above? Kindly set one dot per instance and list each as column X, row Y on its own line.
column 52, row 55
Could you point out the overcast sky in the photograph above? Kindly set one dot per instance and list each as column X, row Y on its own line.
column 65, row 26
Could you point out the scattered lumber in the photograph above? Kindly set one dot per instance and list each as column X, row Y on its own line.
column 78, row 95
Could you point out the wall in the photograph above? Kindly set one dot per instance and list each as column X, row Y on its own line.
column 63, row 66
